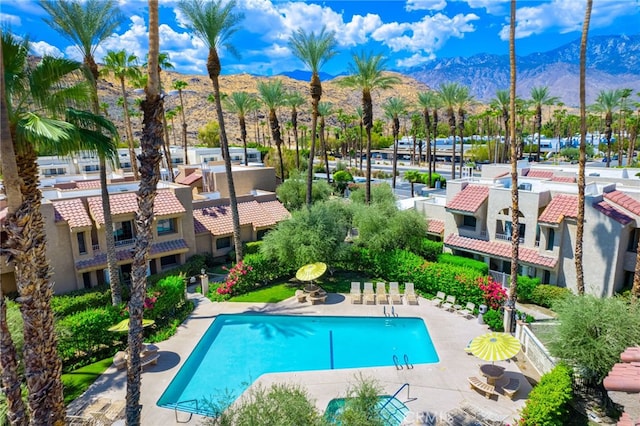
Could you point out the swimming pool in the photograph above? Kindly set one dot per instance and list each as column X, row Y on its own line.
column 238, row 348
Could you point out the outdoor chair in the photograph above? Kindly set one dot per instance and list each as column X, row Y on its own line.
column 394, row 293
column 468, row 310
column 410, row 294
column 301, row 296
column 369, row 297
column 381, row 293
column 437, row 301
column 356, row 293
column 449, row 302
column 511, row 388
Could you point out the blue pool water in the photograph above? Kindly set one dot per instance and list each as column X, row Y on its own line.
column 237, row 349
column 392, row 410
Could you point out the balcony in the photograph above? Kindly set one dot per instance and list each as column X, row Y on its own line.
column 507, row 237
column 469, row 232
column 127, row 242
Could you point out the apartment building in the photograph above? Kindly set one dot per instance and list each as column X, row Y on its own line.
column 474, row 218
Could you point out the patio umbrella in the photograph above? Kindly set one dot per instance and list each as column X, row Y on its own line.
column 494, row 346
column 311, row 271
column 123, row 326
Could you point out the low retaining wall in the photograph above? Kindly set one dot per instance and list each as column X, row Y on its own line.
column 536, row 353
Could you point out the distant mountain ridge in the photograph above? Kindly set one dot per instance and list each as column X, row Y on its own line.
column 612, row 62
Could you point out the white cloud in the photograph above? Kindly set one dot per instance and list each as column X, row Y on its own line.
column 415, row 59
column 10, row 20
column 493, row 7
column 42, row 48
column 425, row 5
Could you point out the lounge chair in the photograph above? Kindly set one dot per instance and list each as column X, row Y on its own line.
column 449, row 302
column 482, row 386
column 511, row 388
column 410, row 294
column 468, row 310
column 369, row 297
column 437, row 301
column 301, row 296
column 394, row 293
column 381, row 293
column 356, row 293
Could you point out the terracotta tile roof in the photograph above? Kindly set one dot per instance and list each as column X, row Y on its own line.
column 625, row 377
column 166, row 203
column 500, row 249
column 469, row 199
column 435, row 226
column 624, row 201
column 88, row 184
column 540, row 174
column 615, row 214
column 217, row 220
column 188, row 180
column 73, row 212
column 100, row 260
column 564, row 179
column 561, row 206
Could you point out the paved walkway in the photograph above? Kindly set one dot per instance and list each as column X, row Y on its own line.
column 437, row 388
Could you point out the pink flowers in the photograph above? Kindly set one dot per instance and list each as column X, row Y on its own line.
column 234, row 277
column 494, row 294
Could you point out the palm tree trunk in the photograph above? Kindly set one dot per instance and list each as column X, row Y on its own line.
column 277, row 138
column 243, row 135
column 367, row 119
column 294, row 123
column 452, row 130
column 166, row 145
column 583, row 148
column 427, row 127
column 323, row 145
column 127, row 125
column 538, row 127
column 112, row 264
column 315, row 88
column 515, row 207
column 394, row 168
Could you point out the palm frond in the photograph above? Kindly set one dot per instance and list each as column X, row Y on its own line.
column 46, row 133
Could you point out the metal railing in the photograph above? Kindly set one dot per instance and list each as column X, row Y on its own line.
column 507, row 237
column 125, row 242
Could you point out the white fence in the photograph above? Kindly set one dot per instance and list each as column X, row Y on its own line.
column 534, row 350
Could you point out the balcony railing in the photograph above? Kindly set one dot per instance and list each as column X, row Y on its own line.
column 125, row 242
column 507, row 237
column 96, row 247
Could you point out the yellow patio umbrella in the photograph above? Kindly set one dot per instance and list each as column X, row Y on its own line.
column 494, row 346
column 311, row 271
column 123, row 326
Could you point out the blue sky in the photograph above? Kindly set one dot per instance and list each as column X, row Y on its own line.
column 407, row 33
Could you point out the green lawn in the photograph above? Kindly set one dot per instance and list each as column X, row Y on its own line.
column 76, row 382
column 271, row 294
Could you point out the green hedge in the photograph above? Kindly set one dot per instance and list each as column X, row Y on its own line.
column 546, row 295
column 169, row 296
column 449, row 258
column 252, row 247
column 80, row 300
column 494, row 319
column 430, row 250
column 526, row 286
column 548, row 403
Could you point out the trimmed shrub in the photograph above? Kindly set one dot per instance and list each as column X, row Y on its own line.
column 548, row 403
column 546, row 295
column 526, row 285
column 167, row 298
column 493, row 318
column 252, row 247
column 80, row 300
column 430, row 250
column 451, row 259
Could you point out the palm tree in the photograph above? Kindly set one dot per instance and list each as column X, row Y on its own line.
column 240, row 103
column 124, row 66
column 501, row 105
column 412, row 176
column 88, row 24
column 540, row 96
column 295, row 100
column 359, row 117
column 463, row 100
column 214, row 23
column 449, row 95
column 324, row 110
column 314, row 50
column 393, row 109
column 36, row 98
column 426, row 101
column 515, row 207
column 170, row 114
column 583, row 149
column 165, row 64
column 606, row 103
column 367, row 75
column 272, row 96
column 180, row 85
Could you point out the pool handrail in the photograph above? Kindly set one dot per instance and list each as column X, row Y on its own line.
column 406, row 385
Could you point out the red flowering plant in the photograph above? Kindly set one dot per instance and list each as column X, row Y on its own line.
column 494, row 294
column 237, row 280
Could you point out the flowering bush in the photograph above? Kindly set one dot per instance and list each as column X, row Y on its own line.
column 494, row 294
column 236, row 277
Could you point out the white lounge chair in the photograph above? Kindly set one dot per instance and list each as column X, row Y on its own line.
column 437, row 301
column 381, row 293
column 449, row 302
column 410, row 294
column 356, row 292
column 369, row 297
column 394, row 293
column 468, row 310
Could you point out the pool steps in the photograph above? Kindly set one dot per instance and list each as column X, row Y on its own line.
column 394, row 411
column 398, row 364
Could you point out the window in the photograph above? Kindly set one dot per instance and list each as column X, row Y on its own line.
column 54, row 171
column 262, row 233
column 166, row 226
column 469, row 221
column 552, row 236
column 123, row 232
column 177, row 160
column 633, row 240
column 91, row 168
column 125, row 273
column 86, row 279
column 82, row 247
column 168, row 261
column 223, row 242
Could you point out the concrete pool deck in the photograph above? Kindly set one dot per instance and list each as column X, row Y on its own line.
column 437, row 388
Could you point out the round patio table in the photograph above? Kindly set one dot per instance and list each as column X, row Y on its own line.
column 492, row 372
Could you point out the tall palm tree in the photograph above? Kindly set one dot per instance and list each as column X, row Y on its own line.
column 606, row 103
column 360, row 117
column 214, row 23
column 36, row 100
column 314, row 50
column 540, row 96
column 583, row 149
column 449, row 95
column 272, row 95
column 501, row 105
column 426, row 102
column 325, row 109
column 180, row 85
column 124, row 66
column 367, row 74
column 170, row 115
column 623, row 108
column 515, row 207
column 240, row 104
column 393, row 108
column 87, row 25
column 463, row 100
column 295, row 100
column 164, row 63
